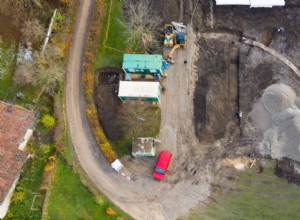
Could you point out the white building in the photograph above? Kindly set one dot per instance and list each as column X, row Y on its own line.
column 15, row 130
column 252, row 3
column 139, row 90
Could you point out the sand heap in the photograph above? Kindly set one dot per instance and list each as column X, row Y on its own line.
column 282, row 137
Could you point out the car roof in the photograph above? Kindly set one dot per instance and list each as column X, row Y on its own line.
column 163, row 159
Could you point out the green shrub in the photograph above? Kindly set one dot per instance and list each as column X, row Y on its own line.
column 48, row 121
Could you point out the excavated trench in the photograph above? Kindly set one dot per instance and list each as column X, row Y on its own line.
column 216, row 99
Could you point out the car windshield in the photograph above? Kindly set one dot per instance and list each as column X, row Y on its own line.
column 159, row 170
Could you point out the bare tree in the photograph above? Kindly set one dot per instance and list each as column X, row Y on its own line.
column 20, row 9
column 24, row 73
column 141, row 24
column 33, row 31
column 44, row 70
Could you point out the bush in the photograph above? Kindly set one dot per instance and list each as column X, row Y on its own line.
column 48, row 121
column 110, row 211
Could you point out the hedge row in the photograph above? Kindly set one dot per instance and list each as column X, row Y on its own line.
column 88, row 82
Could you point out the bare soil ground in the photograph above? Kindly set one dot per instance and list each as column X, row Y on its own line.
column 107, row 101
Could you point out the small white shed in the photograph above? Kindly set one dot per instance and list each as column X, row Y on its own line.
column 138, row 90
column 266, row 3
column 252, row 3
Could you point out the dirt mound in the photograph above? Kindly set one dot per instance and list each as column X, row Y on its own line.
column 278, row 97
column 288, row 169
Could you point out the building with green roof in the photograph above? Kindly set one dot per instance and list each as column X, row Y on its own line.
column 145, row 64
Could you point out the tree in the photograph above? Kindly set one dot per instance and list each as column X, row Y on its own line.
column 141, row 24
column 44, row 70
column 20, row 9
column 24, row 73
column 33, row 31
column 48, row 121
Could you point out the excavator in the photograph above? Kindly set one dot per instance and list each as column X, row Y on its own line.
column 174, row 36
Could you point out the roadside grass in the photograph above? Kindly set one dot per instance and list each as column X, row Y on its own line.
column 23, row 205
column 70, row 199
column 115, row 37
column 257, row 196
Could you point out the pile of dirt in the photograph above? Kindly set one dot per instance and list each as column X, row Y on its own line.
column 288, row 169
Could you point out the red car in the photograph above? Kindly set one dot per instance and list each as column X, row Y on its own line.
column 162, row 165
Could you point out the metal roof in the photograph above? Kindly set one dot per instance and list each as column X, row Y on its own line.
column 142, row 61
column 233, row 2
column 139, row 89
column 266, row 3
column 144, row 146
column 252, row 3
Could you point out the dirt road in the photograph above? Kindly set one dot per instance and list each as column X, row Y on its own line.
column 144, row 198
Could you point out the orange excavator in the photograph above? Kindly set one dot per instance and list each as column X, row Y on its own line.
column 170, row 56
column 180, row 42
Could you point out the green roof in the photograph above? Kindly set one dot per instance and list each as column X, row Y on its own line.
column 142, row 61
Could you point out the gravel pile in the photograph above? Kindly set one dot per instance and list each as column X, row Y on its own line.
column 283, row 138
column 278, row 97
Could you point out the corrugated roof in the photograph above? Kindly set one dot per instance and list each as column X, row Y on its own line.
column 142, row 61
column 14, row 122
column 139, row 89
column 143, row 146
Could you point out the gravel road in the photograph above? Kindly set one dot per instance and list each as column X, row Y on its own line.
column 144, row 198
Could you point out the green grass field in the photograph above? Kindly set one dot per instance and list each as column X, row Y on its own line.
column 70, row 199
column 258, row 196
column 115, row 37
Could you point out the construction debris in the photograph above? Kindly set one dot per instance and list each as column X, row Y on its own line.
column 239, row 163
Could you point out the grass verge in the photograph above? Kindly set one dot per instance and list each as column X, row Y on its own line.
column 112, row 41
column 69, row 199
column 258, row 196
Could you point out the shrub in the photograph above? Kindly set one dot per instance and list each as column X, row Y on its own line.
column 110, row 211
column 48, row 121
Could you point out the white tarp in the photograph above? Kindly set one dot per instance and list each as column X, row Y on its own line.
column 139, row 89
column 233, row 2
column 117, row 165
column 253, row 3
column 266, row 3
column 5, row 205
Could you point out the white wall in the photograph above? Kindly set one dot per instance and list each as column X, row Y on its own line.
column 5, row 205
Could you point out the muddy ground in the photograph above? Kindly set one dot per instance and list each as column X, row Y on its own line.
column 107, row 101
